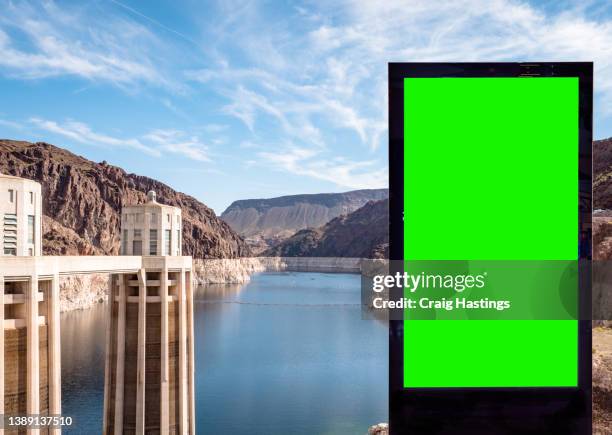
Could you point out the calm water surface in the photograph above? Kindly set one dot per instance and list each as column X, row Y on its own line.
column 286, row 353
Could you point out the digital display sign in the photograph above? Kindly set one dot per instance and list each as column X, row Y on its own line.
column 490, row 172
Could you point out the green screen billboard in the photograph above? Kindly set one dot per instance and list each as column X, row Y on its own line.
column 491, row 173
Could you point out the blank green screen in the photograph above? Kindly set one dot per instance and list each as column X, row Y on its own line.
column 490, row 173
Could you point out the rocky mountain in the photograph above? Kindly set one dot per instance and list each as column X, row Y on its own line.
column 602, row 199
column 602, row 174
column 363, row 233
column 265, row 222
column 82, row 202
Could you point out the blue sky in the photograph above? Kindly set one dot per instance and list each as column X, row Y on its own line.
column 243, row 99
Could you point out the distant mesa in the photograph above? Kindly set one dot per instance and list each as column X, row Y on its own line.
column 267, row 222
column 363, row 233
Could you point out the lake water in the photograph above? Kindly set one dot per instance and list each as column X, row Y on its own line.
column 286, row 353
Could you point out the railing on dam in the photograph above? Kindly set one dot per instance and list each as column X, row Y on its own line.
column 12, row 268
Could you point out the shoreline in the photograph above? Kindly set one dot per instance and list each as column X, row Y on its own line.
column 80, row 292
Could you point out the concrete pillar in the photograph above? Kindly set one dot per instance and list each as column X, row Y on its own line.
column 164, row 417
column 120, row 366
column 142, row 343
column 191, row 379
column 183, row 373
column 1, row 348
column 107, row 364
column 33, row 368
column 55, row 359
column 130, row 375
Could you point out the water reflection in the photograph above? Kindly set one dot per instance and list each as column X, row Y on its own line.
column 285, row 353
column 218, row 292
column 289, row 353
column 83, row 349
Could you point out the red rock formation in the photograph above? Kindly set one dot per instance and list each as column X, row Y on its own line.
column 82, row 203
column 363, row 233
column 267, row 222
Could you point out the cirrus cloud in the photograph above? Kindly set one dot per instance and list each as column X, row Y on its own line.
column 154, row 143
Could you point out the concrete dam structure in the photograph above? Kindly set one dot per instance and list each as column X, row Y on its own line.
column 149, row 376
column 148, row 380
column 149, row 346
column 30, row 369
column 149, row 370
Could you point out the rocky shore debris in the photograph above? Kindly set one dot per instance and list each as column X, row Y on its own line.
column 602, row 381
column 379, row 429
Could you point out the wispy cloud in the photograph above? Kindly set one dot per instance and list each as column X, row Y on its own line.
column 11, row 124
column 320, row 79
column 371, row 34
column 154, row 21
column 155, row 143
column 297, row 107
column 246, row 104
column 214, row 128
column 338, row 170
column 46, row 40
column 348, row 59
column 178, row 142
column 339, row 71
column 311, row 75
column 82, row 133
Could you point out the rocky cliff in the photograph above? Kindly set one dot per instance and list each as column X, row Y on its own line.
column 602, row 199
column 82, row 203
column 602, row 381
column 239, row 270
column 363, row 233
column 265, row 222
column 79, row 292
column 602, row 174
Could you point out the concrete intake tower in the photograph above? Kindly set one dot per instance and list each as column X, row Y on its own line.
column 149, row 351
